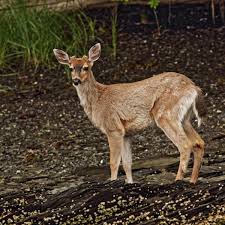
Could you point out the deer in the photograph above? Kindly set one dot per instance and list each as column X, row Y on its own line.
column 169, row 100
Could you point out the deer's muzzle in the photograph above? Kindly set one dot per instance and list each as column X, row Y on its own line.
column 76, row 81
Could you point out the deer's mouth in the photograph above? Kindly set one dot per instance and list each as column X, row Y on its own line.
column 76, row 82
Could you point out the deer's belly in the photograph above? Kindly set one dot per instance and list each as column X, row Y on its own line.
column 138, row 123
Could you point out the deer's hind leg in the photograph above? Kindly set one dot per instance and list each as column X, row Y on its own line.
column 198, row 148
column 175, row 132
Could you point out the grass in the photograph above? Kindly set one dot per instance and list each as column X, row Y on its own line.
column 114, row 31
column 29, row 35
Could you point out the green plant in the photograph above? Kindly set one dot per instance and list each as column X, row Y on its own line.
column 29, row 35
column 4, row 89
column 114, row 32
column 154, row 5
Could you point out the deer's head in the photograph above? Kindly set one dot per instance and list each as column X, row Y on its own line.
column 81, row 67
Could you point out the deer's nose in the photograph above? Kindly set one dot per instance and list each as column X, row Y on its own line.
column 76, row 81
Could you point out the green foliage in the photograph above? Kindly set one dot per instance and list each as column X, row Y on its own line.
column 153, row 4
column 30, row 35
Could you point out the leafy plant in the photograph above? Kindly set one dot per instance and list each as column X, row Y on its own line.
column 30, row 35
column 154, row 5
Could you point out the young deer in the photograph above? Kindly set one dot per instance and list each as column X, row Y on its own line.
column 168, row 100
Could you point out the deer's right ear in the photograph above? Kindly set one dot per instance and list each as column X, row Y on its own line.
column 94, row 52
column 62, row 56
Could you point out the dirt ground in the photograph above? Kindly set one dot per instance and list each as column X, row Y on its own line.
column 46, row 140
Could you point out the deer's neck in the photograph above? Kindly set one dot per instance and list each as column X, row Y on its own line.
column 88, row 94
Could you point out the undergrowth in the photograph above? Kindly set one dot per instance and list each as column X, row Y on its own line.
column 30, row 35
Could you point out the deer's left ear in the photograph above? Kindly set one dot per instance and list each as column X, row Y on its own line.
column 94, row 52
column 62, row 56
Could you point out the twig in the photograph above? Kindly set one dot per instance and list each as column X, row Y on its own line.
column 169, row 16
column 213, row 11
column 221, row 4
column 220, row 136
column 157, row 21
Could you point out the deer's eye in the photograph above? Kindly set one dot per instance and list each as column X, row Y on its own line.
column 85, row 68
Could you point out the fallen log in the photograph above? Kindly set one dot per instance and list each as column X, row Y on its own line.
column 117, row 203
column 81, row 4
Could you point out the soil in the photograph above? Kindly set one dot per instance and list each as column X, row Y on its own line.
column 47, row 144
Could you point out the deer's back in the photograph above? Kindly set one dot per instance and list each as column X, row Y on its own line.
column 132, row 103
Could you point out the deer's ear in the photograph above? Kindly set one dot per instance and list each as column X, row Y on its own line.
column 62, row 56
column 94, row 52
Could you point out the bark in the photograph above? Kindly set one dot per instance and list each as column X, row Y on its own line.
column 80, row 4
column 110, row 202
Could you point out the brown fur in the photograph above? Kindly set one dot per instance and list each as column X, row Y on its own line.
column 166, row 99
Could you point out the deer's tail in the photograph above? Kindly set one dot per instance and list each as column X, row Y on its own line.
column 199, row 107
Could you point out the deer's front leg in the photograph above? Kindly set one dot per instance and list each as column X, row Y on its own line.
column 127, row 160
column 115, row 144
